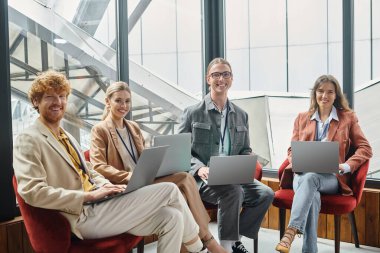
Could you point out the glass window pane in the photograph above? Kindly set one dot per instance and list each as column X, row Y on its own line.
column 88, row 64
column 237, row 42
column 239, row 59
column 307, row 43
column 362, row 42
column 106, row 30
column 362, row 60
column 190, row 72
column 376, row 39
column 307, row 22
column 268, row 45
column 306, row 64
column 134, row 44
column 268, row 69
column 159, row 40
column 65, row 10
column 336, row 60
column 335, row 25
column 335, row 46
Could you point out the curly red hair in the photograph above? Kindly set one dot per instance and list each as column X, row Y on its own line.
column 46, row 81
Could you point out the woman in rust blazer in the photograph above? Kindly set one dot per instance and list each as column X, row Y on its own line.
column 116, row 144
column 329, row 119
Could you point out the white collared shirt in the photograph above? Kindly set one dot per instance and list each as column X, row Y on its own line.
column 323, row 129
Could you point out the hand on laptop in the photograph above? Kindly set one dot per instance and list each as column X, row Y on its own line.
column 341, row 169
column 103, row 191
column 203, row 172
column 129, row 176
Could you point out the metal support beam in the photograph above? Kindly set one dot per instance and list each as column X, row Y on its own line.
column 24, row 66
column 122, row 44
column 348, row 50
column 26, row 56
column 135, row 17
column 16, row 42
column 44, row 56
column 97, row 78
column 147, row 129
column 122, row 39
column 75, row 92
column 214, row 29
column 88, row 99
column 137, row 13
column 7, row 197
column 85, row 104
column 67, row 66
column 89, row 15
column 150, row 114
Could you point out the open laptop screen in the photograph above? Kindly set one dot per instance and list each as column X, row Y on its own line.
column 315, row 156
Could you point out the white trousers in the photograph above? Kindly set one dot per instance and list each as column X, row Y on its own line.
column 155, row 209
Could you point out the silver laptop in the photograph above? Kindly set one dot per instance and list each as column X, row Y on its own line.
column 239, row 169
column 145, row 172
column 178, row 155
column 315, row 156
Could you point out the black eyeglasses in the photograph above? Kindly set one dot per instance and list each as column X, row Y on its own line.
column 225, row 75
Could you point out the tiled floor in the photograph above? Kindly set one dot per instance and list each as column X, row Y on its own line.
column 268, row 239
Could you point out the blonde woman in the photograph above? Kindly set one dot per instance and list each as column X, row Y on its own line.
column 51, row 173
column 116, row 144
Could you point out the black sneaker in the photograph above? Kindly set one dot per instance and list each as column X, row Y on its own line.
column 238, row 247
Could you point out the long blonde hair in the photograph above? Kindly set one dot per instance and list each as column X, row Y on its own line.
column 340, row 101
column 115, row 87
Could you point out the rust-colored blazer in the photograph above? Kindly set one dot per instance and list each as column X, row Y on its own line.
column 105, row 150
column 346, row 131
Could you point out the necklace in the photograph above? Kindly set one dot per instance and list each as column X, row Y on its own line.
column 130, row 151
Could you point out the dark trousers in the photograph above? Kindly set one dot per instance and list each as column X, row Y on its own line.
column 254, row 198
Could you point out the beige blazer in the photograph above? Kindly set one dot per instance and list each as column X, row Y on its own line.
column 105, row 151
column 46, row 176
column 347, row 132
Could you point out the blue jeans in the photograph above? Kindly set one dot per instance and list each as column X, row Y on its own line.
column 307, row 204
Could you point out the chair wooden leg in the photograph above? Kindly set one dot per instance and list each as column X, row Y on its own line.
column 255, row 245
column 282, row 214
column 351, row 217
column 337, row 233
column 140, row 246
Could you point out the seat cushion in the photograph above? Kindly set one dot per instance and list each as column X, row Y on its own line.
column 283, row 198
column 337, row 204
column 331, row 204
column 114, row 244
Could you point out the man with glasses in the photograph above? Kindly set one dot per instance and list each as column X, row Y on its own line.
column 219, row 127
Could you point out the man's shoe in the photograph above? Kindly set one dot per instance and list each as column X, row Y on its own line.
column 238, row 247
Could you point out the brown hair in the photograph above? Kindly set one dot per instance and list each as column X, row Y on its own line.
column 45, row 81
column 218, row 61
column 340, row 101
column 115, row 87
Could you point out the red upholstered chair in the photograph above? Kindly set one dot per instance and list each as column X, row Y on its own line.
column 87, row 155
column 330, row 204
column 211, row 207
column 49, row 232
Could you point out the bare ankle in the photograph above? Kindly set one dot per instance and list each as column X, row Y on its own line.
column 214, row 247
